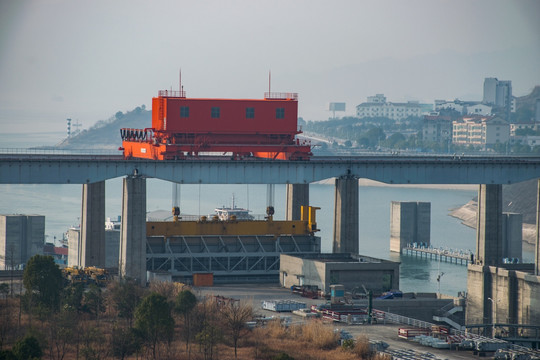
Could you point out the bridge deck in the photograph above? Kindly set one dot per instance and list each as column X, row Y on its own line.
column 80, row 169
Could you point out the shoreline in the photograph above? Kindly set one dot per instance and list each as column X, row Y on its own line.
column 467, row 215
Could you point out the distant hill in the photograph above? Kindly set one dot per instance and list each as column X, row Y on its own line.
column 529, row 101
column 105, row 134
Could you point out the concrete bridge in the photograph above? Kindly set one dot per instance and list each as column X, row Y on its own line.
column 489, row 172
column 81, row 169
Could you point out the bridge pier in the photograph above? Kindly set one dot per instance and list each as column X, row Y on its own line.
column 489, row 225
column 297, row 196
column 132, row 261
column 91, row 251
column 346, row 213
column 537, row 252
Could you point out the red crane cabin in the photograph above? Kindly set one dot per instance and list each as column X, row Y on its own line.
column 183, row 127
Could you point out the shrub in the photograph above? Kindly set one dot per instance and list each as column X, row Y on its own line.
column 362, row 348
column 27, row 348
column 321, row 336
column 282, row 356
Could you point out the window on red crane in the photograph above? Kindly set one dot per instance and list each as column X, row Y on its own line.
column 280, row 113
column 184, row 111
column 215, row 112
column 250, row 113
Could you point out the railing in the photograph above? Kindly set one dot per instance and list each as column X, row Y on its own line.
column 281, row 95
column 38, row 151
column 172, row 93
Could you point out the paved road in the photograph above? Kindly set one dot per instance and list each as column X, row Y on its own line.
column 256, row 293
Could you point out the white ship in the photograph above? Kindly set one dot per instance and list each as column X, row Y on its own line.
column 229, row 213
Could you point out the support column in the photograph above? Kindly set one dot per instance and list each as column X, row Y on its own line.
column 489, row 225
column 537, row 252
column 132, row 262
column 297, row 196
column 346, row 214
column 92, row 244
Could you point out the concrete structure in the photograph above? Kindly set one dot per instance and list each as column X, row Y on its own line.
column 74, row 246
column 346, row 216
column 92, row 230
column 112, row 246
column 483, row 131
column 429, row 169
column 376, row 106
column 505, row 294
column 297, row 196
column 132, row 262
column 351, row 271
column 437, row 128
column 501, row 293
column 489, row 228
column 512, row 236
column 537, row 248
column 410, row 222
column 21, row 237
column 464, row 107
column 499, row 93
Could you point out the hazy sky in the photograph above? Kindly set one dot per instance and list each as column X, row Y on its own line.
column 88, row 59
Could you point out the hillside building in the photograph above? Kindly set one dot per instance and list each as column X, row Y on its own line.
column 464, row 107
column 499, row 94
column 523, row 126
column 21, row 237
column 377, row 106
column 437, row 128
column 483, row 131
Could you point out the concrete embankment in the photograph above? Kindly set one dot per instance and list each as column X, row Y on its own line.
column 467, row 215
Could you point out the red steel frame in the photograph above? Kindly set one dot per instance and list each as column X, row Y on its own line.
column 182, row 127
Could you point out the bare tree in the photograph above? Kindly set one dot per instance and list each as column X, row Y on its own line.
column 235, row 314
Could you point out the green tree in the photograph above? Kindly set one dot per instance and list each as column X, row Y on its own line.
column 154, row 321
column 7, row 355
column 126, row 295
column 184, row 304
column 124, row 342
column 208, row 328
column 395, row 140
column 94, row 302
column 73, row 295
column 27, row 348
column 43, row 282
column 374, row 135
column 525, row 131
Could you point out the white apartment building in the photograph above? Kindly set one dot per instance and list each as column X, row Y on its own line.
column 377, row 106
column 481, row 131
column 464, row 107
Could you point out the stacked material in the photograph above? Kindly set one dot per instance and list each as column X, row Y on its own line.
column 432, row 342
column 282, row 305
